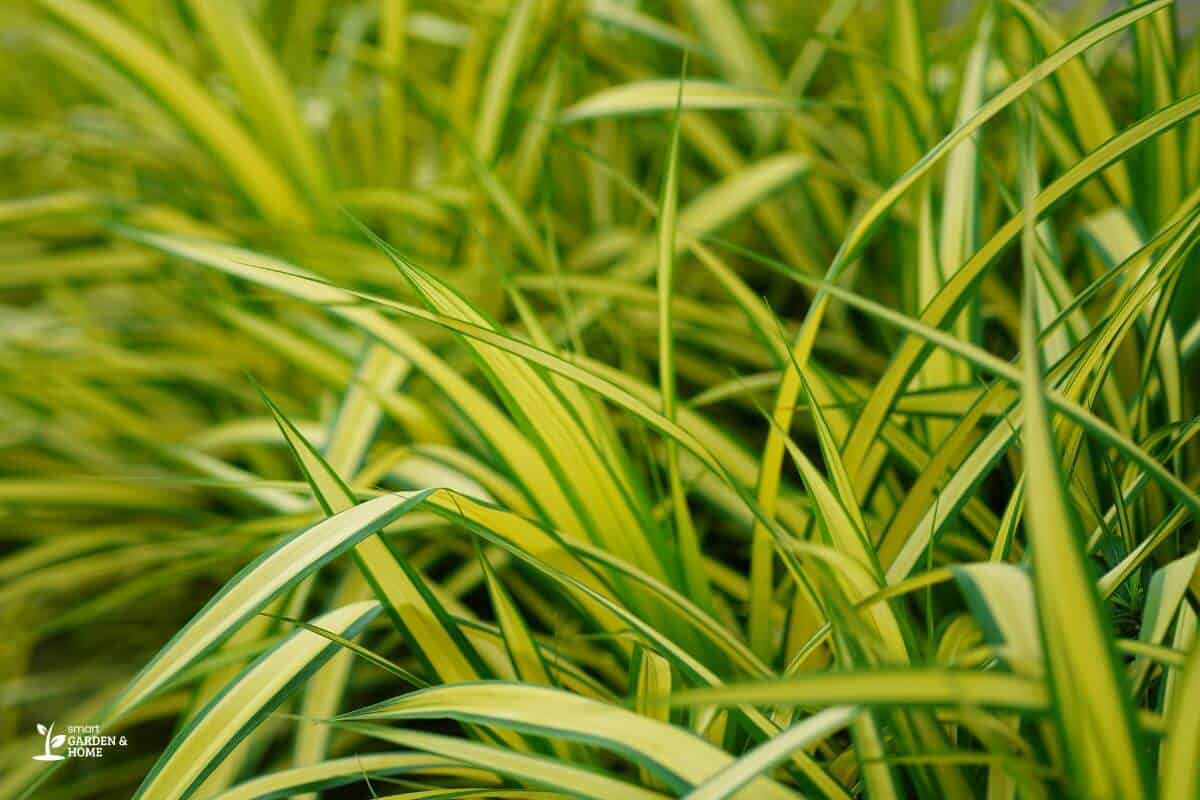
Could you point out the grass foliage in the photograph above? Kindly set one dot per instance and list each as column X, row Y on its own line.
column 600, row 398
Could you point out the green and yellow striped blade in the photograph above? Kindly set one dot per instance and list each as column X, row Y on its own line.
column 245, row 702
column 674, row 755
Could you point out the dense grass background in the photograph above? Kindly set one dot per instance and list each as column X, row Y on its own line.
column 600, row 398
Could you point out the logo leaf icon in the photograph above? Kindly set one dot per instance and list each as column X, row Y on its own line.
column 41, row 729
column 57, row 741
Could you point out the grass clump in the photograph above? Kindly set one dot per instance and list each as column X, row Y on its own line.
column 552, row 398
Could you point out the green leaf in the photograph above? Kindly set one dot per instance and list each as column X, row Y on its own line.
column 245, row 702
column 257, row 584
column 1090, row 694
column 762, row 758
column 674, row 755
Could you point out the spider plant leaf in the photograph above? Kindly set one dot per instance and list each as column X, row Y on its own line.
column 857, row 237
column 502, row 74
column 690, row 557
column 266, row 96
column 537, row 478
column 393, row 35
column 871, row 418
column 1155, row 45
column 337, row 772
column 672, row 754
column 742, row 58
column 405, row 594
column 1181, row 745
column 651, row 684
column 1090, row 694
column 1087, row 111
column 762, row 758
column 245, row 702
column 614, row 521
column 1164, row 597
column 257, row 584
column 555, row 775
column 881, row 688
column 522, row 649
column 1001, row 597
column 657, row 95
column 631, row 19
column 948, row 301
column 249, row 167
column 848, row 538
